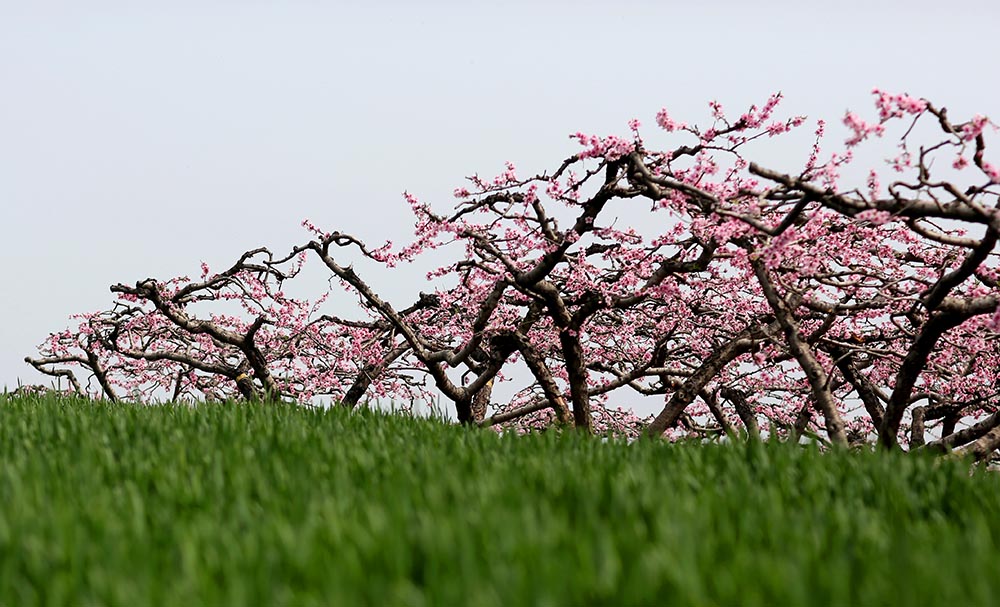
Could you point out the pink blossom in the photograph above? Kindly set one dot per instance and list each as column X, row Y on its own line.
column 873, row 185
column 716, row 110
column 776, row 128
column 664, row 121
column 895, row 106
column 861, row 129
column 991, row 171
column 993, row 322
column 875, row 217
column 972, row 128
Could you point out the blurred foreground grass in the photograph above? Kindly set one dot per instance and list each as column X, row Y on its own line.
column 246, row 504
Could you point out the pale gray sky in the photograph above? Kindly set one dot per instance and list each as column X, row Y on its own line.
column 139, row 138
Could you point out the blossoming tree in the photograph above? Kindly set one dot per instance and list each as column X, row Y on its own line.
column 746, row 299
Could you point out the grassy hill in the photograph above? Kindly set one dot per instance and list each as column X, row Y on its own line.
column 246, row 504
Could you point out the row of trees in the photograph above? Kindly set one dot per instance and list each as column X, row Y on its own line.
column 748, row 300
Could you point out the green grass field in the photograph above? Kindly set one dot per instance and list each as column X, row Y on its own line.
column 247, row 504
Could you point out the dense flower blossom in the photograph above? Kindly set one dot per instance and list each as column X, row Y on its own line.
column 740, row 299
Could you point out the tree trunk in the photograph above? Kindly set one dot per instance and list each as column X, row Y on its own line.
column 480, row 402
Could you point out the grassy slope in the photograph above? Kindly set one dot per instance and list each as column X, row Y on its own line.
column 242, row 505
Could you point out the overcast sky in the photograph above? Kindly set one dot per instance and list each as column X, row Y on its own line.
column 138, row 139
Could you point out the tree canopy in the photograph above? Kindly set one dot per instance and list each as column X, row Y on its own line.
column 748, row 300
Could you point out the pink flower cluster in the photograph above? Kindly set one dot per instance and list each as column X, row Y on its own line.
column 896, row 106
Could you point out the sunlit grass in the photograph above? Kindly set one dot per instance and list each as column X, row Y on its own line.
column 246, row 504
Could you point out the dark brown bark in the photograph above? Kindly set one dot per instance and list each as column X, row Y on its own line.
column 246, row 386
column 818, row 381
column 952, row 440
column 713, row 406
column 744, row 411
column 41, row 364
column 576, row 369
column 982, row 447
column 742, row 343
column 432, row 358
column 481, row 402
column 957, row 209
column 149, row 290
column 516, row 340
column 367, row 375
column 802, row 422
column 499, row 418
column 906, row 377
column 869, row 392
column 936, row 294
column 948, row 424
column 917, row 427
